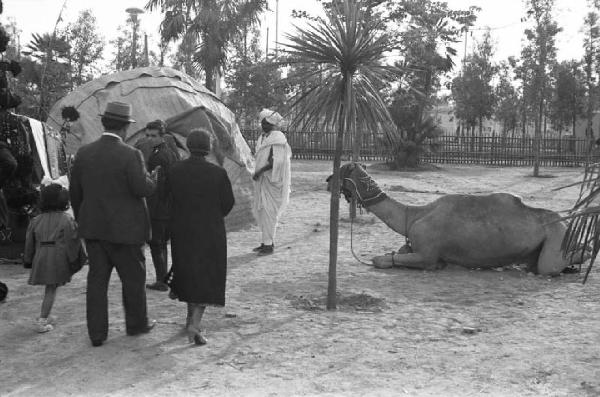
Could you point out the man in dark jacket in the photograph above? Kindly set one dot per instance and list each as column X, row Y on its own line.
column 163, row 154
column 108, row 185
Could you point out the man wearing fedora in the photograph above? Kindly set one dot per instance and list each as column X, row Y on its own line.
column 108, row 185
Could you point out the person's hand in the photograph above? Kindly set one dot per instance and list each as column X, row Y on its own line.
column 154, row 173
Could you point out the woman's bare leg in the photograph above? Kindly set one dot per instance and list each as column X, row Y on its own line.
column 194, row 334
column 48, row 302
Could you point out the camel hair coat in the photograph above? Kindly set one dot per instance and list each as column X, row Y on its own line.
column 201, row 198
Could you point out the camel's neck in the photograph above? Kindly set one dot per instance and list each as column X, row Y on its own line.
column 397, row 216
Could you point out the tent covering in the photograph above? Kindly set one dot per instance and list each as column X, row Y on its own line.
column 170, row 95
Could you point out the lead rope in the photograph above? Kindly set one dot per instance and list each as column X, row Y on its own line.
column 406, row 240
column 352, row 245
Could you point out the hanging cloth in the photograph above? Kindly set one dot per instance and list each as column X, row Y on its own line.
column 37, row 130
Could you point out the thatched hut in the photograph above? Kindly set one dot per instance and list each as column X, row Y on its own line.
column 170, row 95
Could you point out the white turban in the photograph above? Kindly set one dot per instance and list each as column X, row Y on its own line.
column 271, row 117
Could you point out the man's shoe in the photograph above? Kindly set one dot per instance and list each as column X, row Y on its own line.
column 145, row 330
column 260, row 247
column 266, row 250
column 157, row 286
column 43, row 325
column 97, row 343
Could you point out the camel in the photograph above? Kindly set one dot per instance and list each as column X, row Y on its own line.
column 474, row 231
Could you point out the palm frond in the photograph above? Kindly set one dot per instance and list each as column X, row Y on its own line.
column 349, row 48
column 583, row 228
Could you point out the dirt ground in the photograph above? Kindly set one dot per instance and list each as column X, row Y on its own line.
column 452, row 332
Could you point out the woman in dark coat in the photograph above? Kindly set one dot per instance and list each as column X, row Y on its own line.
column 202, row 197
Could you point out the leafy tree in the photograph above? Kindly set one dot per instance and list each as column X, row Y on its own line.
column 50, row 72
column 254, row 82
column 428, row 56
column 421, row 130
column 214, row 22
column 506, row 109
column 523, row 69
column 541, row 50
column 22, row 85
column 349, row 46
column 86, row 46
column 472, row 90
column 567, row 103
column 590, row 43
column 122, row 44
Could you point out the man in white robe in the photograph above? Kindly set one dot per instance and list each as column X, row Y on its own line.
column 272, row 178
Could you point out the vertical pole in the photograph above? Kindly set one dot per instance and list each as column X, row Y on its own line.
column 276, row 27
column 134, row 41
column 146, row 56
column 356, row 138
column 267, row 46
column 465, row 53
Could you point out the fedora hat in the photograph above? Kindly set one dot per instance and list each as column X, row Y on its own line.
column 120, row 111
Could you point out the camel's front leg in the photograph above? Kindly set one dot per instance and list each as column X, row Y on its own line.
column 551, row 261
column 412, row 260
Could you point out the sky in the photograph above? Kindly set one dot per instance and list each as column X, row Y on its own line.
column 503, row 16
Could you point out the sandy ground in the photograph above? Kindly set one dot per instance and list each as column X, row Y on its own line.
column 453, row 332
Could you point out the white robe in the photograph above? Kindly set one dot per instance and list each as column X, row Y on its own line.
column 272, row 189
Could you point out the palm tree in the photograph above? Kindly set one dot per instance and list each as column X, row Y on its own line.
column 345, row 51
column 206, row 28
column 53, row 72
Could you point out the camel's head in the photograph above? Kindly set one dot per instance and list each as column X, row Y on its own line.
column 354, row 181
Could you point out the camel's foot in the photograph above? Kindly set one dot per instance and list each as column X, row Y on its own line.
column 409, row 260
column 383, row 262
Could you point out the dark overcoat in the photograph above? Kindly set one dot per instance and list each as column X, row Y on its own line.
column 107, row 188
column 201, row 198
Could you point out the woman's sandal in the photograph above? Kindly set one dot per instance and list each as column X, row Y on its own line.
column 194, row 335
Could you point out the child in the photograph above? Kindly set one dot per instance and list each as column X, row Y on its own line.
column 51, row 244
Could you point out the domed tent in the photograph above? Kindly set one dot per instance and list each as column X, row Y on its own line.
column 170, row 95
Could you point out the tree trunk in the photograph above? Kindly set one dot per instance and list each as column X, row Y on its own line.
column 210, row 79
column 334, row 212
column 537, row 140
column 356, row 144
column 545, row 125
column 590, row 90
column 560, row 141
column 334, row 209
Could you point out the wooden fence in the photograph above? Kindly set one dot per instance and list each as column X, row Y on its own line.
column 554, row 152
column 497, row 151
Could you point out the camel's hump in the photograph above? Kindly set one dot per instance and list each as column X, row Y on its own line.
column 492, row 201
column 491, row 198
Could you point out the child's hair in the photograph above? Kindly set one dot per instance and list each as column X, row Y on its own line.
column 54, row 198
